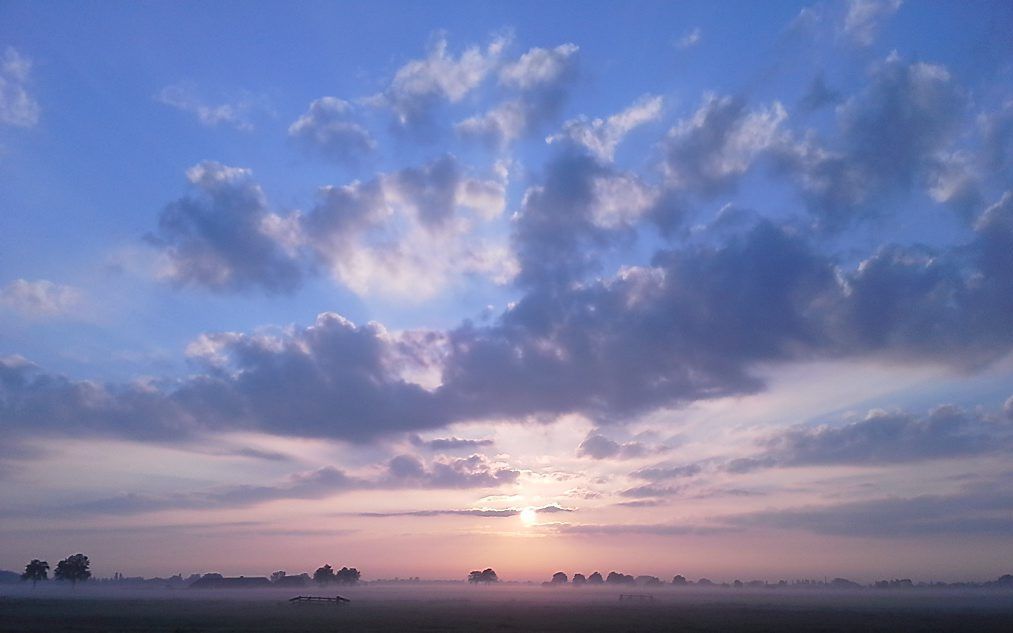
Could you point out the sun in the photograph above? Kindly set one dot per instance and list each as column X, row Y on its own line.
column 529, row 516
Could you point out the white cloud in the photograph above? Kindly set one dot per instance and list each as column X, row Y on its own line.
column 183, row 96
column 690, row 38
column 417, row 85
column 410, row 234
column 539, row 67
column 40, row 298
column 602, row 136
column 864, row 18
column 325, row 129
column 17, row 106
column 542, row 76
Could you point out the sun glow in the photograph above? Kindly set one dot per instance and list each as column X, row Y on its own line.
column 529, row 517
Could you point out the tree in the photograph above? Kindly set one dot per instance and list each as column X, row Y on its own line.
column 73, row 568
column 679, row 580
column 485, row 576
column 324, row 575
column 617, row 578
column 278, row 575
column 595, row 579
column 560, row 578
column 347, row 576
column 578, row 579
column 35, row 571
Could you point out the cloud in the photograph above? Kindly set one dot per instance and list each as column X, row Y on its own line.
column 659, row 529
column 542, row 77
column 708, row 152
column 401, row 473
column 581, row 209
column 448, row 443
column 891, row 135
column 885, row 438
column 687, row 328
column 40, row 298
column 690, row 38
column 412, row 232
column 693, row 325
column 660, row 473
column 17, row 106
column 597, row 446
column 651, row 491
column 326, row 130
column 183, row 97
column 864, row 18
column 973, row 511
column 331, row 379
column 222, row 237
column 819, row 94
column 421, row 84
column 602, row 136
column 476, row 471
column 493, row 513
column 408, row 233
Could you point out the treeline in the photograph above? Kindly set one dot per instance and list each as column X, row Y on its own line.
column 560, row 579
column 75, row 569
column 72, row 569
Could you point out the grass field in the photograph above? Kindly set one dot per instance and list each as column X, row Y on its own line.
column 476, row 609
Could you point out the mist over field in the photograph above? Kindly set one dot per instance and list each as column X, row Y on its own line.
column 454, row 607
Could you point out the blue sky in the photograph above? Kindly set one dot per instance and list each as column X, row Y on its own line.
column 296, row 244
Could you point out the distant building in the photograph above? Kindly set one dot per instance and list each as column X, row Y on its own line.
column 217, row 581
column 301, row 580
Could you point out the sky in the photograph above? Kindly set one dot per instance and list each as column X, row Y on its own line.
column 716, row 289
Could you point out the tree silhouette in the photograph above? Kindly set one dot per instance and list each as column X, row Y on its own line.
column 278, row 575
column 679, row 580
column 560, row 578
column 324, row 575
column 485, row 576
column 346, row 576
column 35, row 571
column 617, row 578
column 579, row 579
column 595, row 579
column 73, row 568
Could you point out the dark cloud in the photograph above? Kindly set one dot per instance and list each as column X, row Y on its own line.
column 661, row 473
column 819, row 94
column 885, row 438
column 555, row 236
column 687, row 328
column 890, row 138
column 316, row 484
column 973, row 511
column 326, row 130
column 448, row 443
column 220, row 238
column 476, row 471
column 400, row 473
column 432, row 189
column 693, row 325
column 597, row 446
column 652, row 490
column 331, row 379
